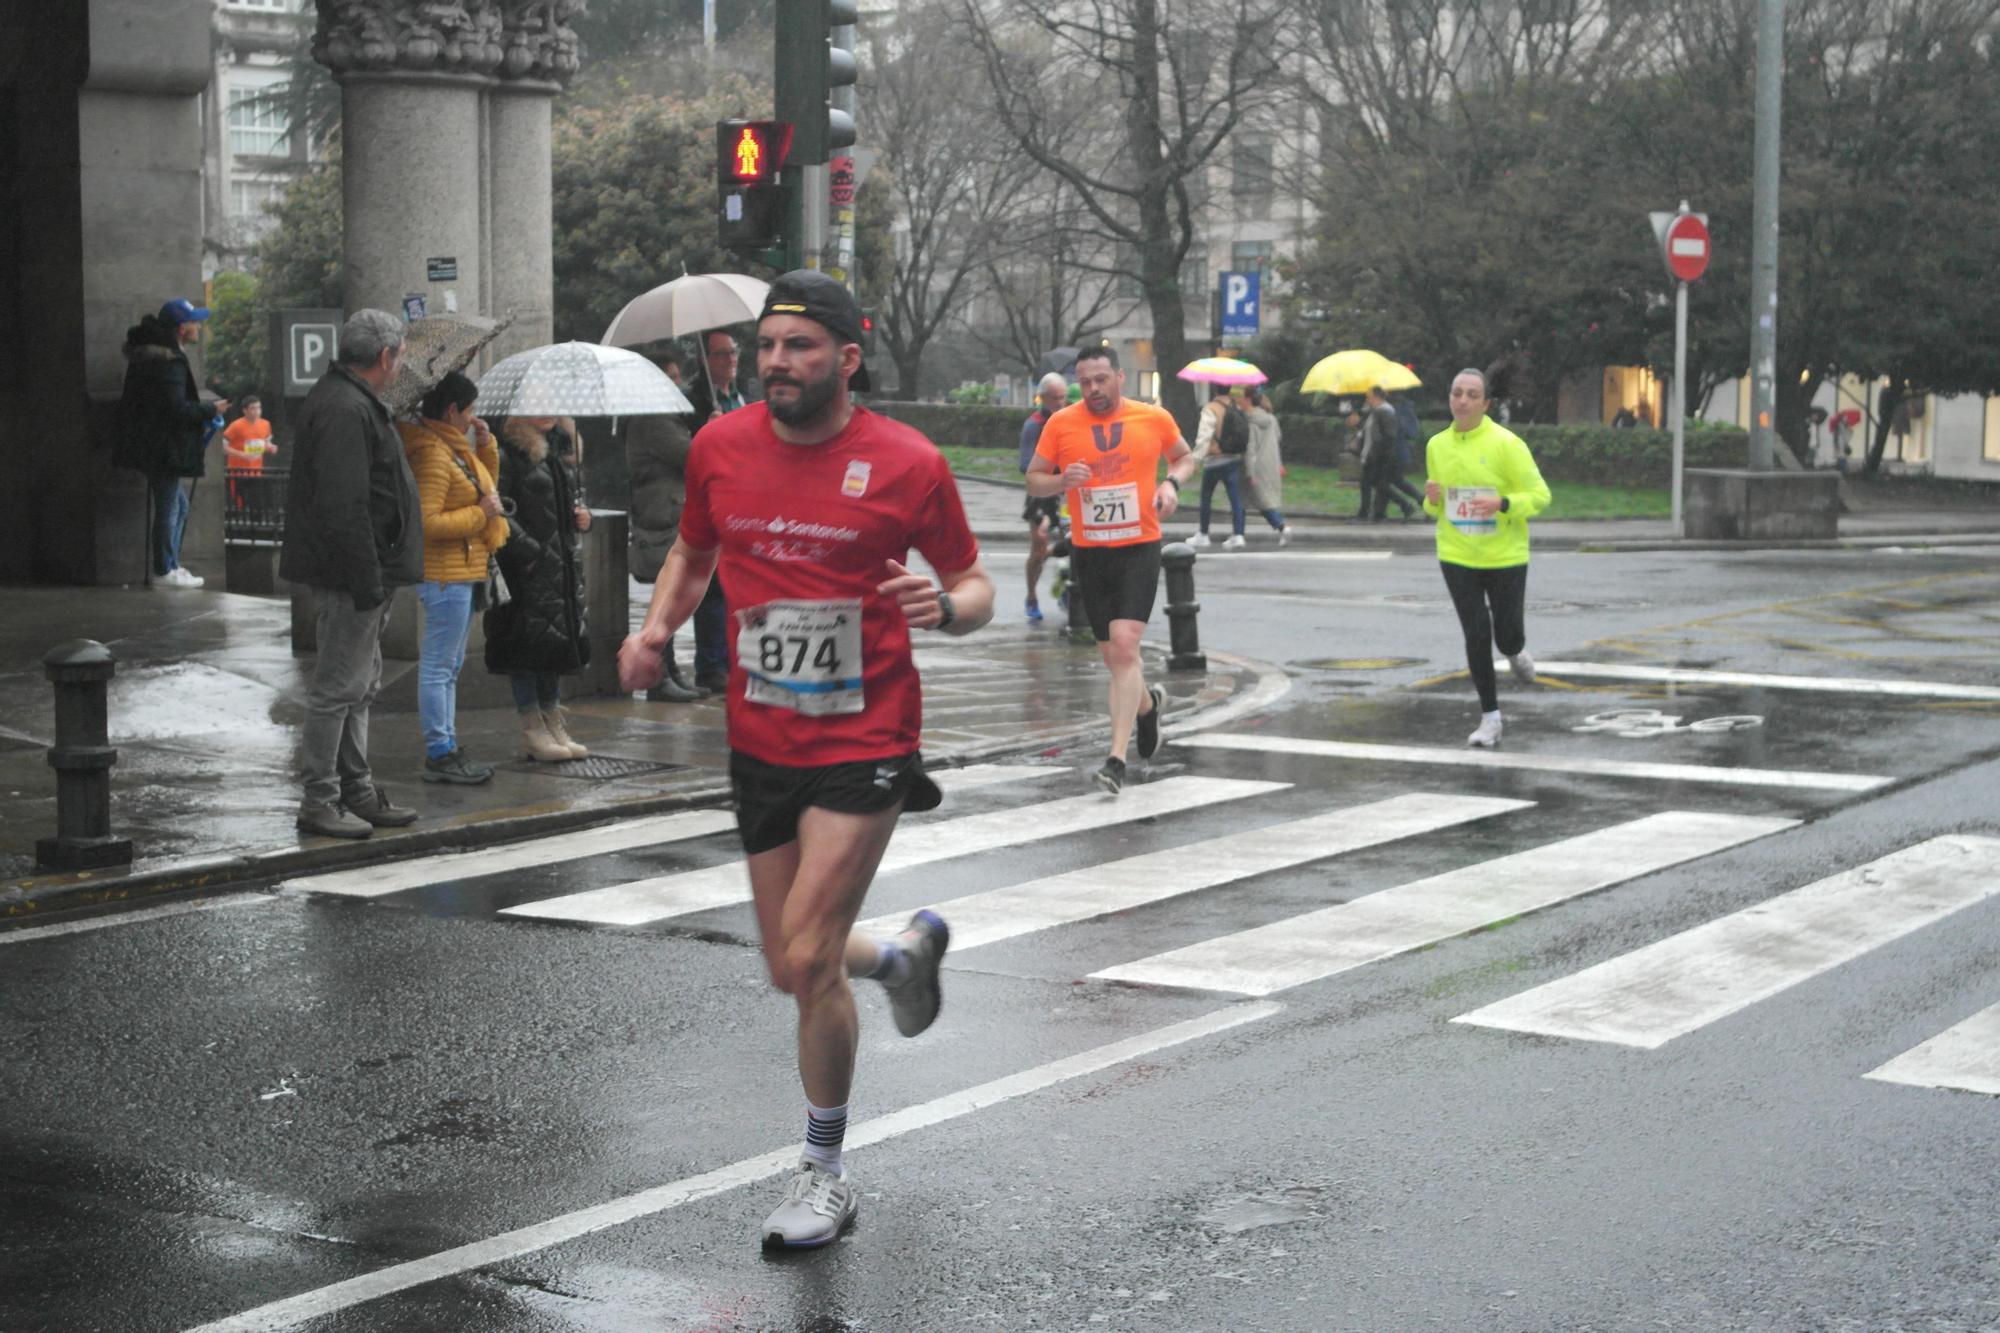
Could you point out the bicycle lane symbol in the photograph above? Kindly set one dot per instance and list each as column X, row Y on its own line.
column 1650, row 723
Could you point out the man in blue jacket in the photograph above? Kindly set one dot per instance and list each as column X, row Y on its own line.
column 163, row 427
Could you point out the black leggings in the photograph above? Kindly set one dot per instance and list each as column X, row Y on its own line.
column 1472, row 592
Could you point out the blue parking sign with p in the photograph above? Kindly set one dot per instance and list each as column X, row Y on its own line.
column 1240, row 302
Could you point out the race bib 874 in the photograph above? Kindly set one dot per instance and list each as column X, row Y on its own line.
column 804, row 656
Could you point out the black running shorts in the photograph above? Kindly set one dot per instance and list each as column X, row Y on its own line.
column 1041, row 507
column 1119, row 583
column 771, row 797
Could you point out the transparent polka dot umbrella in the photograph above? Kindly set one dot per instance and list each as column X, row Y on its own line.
column 578, row 380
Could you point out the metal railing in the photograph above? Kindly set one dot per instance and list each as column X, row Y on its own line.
column 255, row 513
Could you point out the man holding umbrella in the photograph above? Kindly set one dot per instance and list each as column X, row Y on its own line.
column 809, row 503
column 715, row 393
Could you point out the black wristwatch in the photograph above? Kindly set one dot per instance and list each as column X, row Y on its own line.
column 1503, row 504
column 946, row 612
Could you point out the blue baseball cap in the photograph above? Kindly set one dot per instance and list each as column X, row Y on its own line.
column 178, row 311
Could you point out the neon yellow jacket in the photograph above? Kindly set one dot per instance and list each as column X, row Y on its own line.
column 1488, row 455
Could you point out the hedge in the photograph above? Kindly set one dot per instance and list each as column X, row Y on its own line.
column 1597, row 454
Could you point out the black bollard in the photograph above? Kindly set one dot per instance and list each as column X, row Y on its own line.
column 82, row 758
column 1183, row 634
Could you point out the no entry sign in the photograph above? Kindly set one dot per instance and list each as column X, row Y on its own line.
column 1686, row 246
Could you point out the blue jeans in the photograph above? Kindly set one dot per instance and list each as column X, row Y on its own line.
column 536, row 689
column 170, row 516
column 1230, row 474
column 447, row 625
column 711, row 632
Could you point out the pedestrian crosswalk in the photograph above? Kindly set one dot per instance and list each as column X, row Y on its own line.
column 1671, row 988
column 1029, row 858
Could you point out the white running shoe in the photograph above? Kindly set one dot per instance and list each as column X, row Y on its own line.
column 1285, row 535
column 916, row 1002
column 1487, row 737
column 1199, row 541
column 818, row 1206
column 181, row 577
column 1523, row 666
column 1235, row 542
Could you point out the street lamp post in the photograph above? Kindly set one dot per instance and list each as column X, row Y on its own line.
column 1764, row 235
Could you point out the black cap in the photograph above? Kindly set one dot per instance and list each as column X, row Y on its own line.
column 809, row 292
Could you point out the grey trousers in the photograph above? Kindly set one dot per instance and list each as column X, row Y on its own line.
column 333, row 748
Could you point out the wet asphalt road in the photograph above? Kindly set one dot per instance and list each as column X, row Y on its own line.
column 209, row 1111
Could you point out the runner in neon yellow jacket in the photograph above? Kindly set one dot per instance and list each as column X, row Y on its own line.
column 1482, row 485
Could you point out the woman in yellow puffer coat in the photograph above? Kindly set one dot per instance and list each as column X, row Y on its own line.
column 463, row 527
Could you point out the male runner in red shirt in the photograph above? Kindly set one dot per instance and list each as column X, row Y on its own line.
column 1106, row 451
column 810, row 504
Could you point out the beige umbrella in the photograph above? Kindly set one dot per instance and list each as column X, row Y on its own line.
column 688, row 304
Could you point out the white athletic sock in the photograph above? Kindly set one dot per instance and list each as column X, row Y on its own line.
column 1493, row 716
column 826, row 1128
column 892, row 965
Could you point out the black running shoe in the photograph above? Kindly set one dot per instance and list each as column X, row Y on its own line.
column 1112, row 776
column 1149, row 723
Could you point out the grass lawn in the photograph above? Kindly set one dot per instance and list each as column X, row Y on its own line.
column 1319, row 490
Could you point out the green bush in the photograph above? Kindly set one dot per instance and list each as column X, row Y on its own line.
column 1597, row 454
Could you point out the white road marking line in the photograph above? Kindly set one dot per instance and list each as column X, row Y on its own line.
column 1966, row 1057
column 1039, row 904
column 1912, row 689
column 662, row 1198
column 1541, row 763
column 1392, row 921
column 648, row 831
column 25, row 933
column 1650, row 996
column 664, row 896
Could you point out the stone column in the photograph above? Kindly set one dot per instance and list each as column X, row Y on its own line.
column 540, row 58
column 100, row 221
column 521, row 214
column 411, row 80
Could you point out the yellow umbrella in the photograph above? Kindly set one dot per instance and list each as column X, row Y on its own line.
column 1357, row 370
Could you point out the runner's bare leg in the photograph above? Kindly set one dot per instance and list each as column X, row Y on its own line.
column 1038, row 554
column 1128, row 680
column 808, row 894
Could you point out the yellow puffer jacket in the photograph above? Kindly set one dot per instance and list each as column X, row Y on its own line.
column 458, row 537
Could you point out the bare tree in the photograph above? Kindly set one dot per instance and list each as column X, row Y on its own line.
column 1056, row 286
column 1161, row 86
column 954, row 176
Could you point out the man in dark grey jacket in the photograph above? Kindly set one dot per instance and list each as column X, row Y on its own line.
column 353, row 535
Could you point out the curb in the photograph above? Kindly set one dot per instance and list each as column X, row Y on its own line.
column 37, row 899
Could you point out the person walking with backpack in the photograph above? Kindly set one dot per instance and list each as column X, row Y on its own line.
column 1221, row 442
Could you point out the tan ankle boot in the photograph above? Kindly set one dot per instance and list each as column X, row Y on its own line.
column 536, row 741
column 560, row 734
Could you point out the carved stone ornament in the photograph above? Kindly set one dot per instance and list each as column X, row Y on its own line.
column 430, row 36
column 540, row 42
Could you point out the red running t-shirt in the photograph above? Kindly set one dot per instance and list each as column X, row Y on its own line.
column 820, row 669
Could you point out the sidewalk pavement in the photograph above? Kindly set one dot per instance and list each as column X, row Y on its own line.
column 1886, row 512
column 206, row 707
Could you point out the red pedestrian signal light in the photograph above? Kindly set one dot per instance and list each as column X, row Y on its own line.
column 750, row 152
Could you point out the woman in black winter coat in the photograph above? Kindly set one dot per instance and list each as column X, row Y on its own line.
column 539, row 633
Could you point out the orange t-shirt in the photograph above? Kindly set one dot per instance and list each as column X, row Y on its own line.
column 1124, row 451
column 249, row 437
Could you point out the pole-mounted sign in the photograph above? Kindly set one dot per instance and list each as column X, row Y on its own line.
column 1684, row 244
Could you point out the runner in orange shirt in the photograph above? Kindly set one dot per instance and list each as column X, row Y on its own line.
column 246, row 441
column 1106, row 452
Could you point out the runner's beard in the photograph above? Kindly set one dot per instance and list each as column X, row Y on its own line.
column 814, row 398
